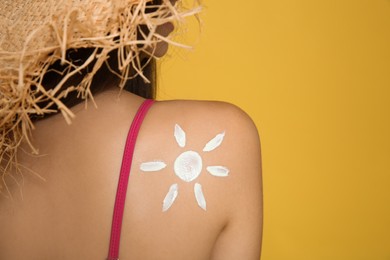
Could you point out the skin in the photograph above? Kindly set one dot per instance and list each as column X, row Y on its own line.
column 164, row 30
column 69, row 215
column 162, row 47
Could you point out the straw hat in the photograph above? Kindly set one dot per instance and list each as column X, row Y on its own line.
column 36, row 33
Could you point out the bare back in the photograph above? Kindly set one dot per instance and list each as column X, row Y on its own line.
column 69, row 215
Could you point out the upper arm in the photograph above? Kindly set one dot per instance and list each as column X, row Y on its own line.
column 241, row 237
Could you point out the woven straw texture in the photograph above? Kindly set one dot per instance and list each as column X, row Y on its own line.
column 34, row 34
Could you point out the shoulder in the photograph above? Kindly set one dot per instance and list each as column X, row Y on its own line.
column 195, row 176
column 202, row 120
column 200, row 105
column 221, row 133
column 211, row 115
column 228, row 143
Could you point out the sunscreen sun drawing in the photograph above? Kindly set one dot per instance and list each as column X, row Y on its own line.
column 188, row 166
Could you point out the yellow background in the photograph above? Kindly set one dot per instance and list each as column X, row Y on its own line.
column 315, row 77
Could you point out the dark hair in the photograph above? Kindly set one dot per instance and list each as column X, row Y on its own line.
column 104, row 77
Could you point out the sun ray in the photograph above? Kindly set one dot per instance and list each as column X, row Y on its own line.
column 152, row 166
column 214, row 143
column 170, row 197
column 180, row 136
column 218, row 171
column 199, row 196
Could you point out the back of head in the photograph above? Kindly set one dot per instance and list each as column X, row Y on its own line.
column 38, row 71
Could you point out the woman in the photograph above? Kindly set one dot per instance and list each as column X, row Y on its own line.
column 194, row 190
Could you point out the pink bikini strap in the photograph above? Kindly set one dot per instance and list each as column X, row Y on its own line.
column 113, row 252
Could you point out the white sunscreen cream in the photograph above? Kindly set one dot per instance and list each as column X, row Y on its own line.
column 180, row 136
column 152, row 166
column 170, row 197
column 188, row 166
column 219, row 171
column 199, row 196
column 214, row 143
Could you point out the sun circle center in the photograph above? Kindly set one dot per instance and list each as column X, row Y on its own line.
column 188, row 166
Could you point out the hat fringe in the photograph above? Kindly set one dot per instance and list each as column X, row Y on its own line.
column 112, row 25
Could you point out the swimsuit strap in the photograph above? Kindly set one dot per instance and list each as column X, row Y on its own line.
column 113, row 252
